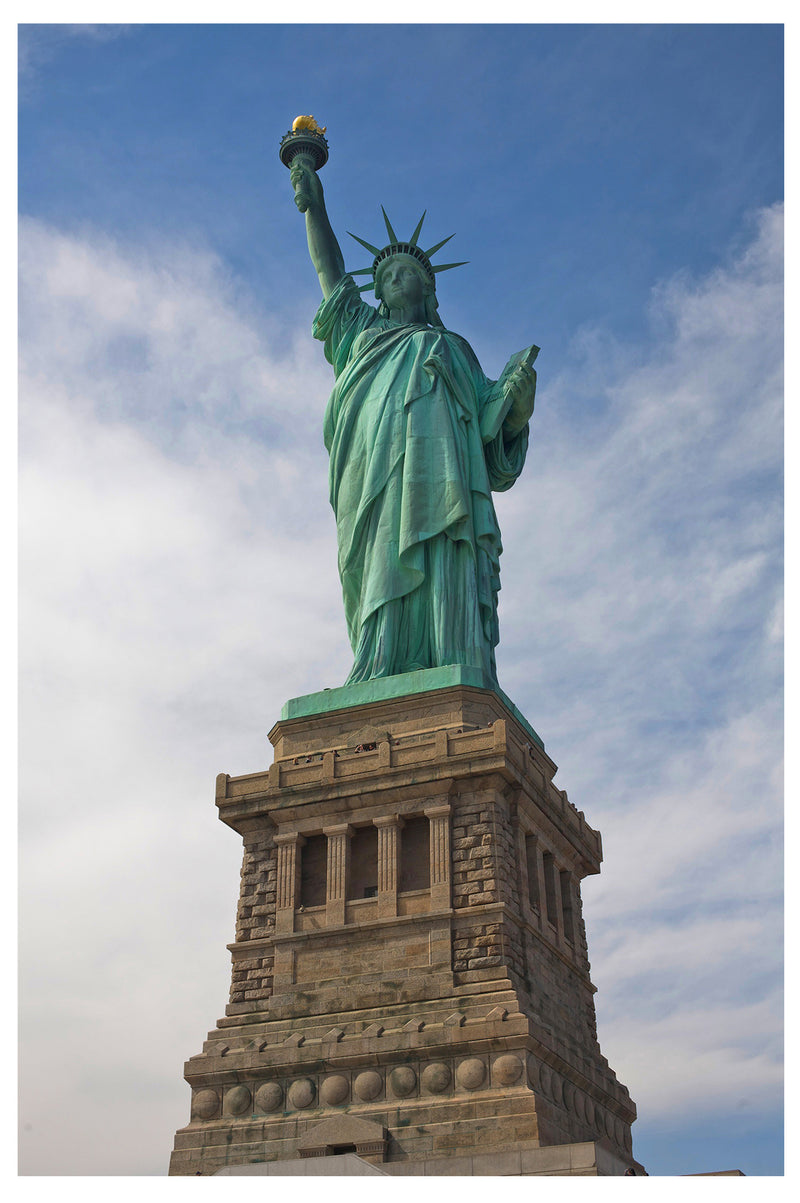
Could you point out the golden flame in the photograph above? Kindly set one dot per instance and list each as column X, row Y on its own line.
column 307, row 123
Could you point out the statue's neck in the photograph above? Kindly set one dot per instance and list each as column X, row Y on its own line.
column 413, row 315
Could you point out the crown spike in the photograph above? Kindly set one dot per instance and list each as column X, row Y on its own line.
column 396, row 246
column 415, row 235
column 439, row 245
column 375, row 250
column 392, row 236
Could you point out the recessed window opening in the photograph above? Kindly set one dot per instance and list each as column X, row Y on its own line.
column 550, row 888
column 415, row 854
column 566, row 906
column 532, row 863
column 363, row 862
column 313, row 871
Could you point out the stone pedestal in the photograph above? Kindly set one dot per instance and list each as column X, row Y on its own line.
column 410, row 975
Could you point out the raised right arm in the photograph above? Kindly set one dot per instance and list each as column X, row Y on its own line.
column 326, row 254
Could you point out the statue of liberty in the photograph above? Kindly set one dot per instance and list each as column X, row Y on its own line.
column 418, row 439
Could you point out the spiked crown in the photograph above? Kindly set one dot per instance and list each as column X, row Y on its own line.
column 396, row 247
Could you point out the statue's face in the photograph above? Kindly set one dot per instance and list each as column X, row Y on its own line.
column 401, row 282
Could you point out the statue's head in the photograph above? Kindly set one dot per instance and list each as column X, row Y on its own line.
column 404, row 281
column 402, row 276
column 408, row 260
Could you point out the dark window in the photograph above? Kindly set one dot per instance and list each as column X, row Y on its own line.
column 314, row 871
column 415, row 854
column 532, row 862
column 566, row 906
column 363, row 862
column 550, row 888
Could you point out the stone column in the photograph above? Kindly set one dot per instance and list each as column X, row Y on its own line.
column 288, row 885
column 338, row 872
column 439, row 819
column 388, row 864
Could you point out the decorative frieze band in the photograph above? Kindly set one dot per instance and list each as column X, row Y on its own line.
column 512, row 1070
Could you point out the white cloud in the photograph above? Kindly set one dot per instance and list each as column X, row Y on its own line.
column 643, row 558
column 38, row 44
column 176, row 589
column 704, row 1060
column 643, row 642
column 179, row 583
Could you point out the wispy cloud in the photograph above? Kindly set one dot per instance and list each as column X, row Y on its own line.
column 39, row 44
column 643, row 639
column 179, row 583
column 177, row 586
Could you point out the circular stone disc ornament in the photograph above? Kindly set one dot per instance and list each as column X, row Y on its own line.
column 545, row 1077
column 368, row 1085
column 556, row 1093
column 534, row 1072
column 471, row 1073
column 579, row 1104
column 302, row 1093
column 507, row 1069
column 436, row 1077
column 589, row 1111
column 402, row 1080
column 269, row 1096
column 205, row 1104
column 237, row 1101
column 334, row 1090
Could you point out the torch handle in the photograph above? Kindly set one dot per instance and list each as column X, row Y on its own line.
column 301, row 197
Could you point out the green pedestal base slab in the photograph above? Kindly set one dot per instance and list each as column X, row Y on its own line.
column 400, row 686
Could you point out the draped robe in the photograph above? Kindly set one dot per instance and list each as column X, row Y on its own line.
column 415, row 435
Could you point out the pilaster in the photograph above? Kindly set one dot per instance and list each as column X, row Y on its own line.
column 288, row 895
column 388, row 863
column 439, row 818
column 338, row 872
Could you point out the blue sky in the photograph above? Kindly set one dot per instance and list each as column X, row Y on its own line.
column 617, row 191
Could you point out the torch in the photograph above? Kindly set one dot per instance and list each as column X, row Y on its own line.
column 305, row 139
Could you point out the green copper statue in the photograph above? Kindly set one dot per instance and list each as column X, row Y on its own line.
column 418, row 438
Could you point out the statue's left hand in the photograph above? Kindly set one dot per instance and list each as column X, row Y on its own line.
column 520, row 387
